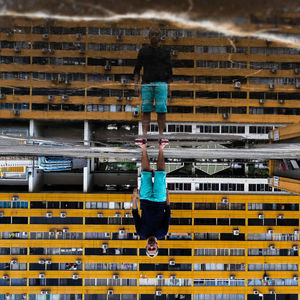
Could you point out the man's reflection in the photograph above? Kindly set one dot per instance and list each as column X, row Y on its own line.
column 154, row 200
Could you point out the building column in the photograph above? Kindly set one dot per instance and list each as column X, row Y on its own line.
column 87, row 176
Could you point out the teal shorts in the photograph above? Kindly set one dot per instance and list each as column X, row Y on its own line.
column 157, row 91
column 153, row 191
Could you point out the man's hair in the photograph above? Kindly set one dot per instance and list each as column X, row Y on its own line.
column 152, row 254
column 154, row 29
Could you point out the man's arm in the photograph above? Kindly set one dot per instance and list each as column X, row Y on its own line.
column 135, row 212
column 170, row 74
column 136, row 72
column 167, row 217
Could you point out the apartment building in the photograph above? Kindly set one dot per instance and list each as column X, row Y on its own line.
column 71, row 234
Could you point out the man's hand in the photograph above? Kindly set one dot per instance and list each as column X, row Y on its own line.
column 135, row 198
column 136, row 89
column 167, row 199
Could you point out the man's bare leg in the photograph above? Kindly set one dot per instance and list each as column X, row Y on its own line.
column 145, row 159
column 161, row 158
column 145, row 122
column 161, row 121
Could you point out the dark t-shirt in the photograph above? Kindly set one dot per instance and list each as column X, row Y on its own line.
column 156, row 63
column 154, row 221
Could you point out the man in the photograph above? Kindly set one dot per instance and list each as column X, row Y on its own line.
column 157, row 76
column 154, row 200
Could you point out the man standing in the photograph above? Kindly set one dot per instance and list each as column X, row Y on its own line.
column 154, row 200
column 157, row 76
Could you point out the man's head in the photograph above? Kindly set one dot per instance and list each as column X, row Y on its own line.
column 151, row 247
column 154, row 36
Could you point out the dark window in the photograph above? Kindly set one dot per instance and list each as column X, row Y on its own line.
column 19, row 220
column 56, row 220
column 205, row 221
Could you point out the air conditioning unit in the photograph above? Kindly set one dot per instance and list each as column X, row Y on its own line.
column 117, row 251
column 172, row 262
column 43, row 292
column 295, row 248
column 63, row 215
column 51, row 234
column 119, row 98
column 261, row 216
column 295, row 277
column 14, row 261
column 121, row 231
column 16, row 112
column 173, row 277
column 237, row 85
column 41, row 261
column 65, row 230
column 81, row 51
column 24, row 296
column 175, row 37
column 110, row 292
column 107, row 66
column 78, row 261
column 47, row 292
column 51, row 50
column 297, row 85
column 171, row 100
column 123, row 81
column 272, row 247
column 48, row 261
column 174, row 52
column 50, row 97
column 261, row 101
column 271, row 86
column 107, row 234
column 59, row 232
column 119, row 37
column 104, row 246
column 5, row 277
column 118, row 215
column 15, row 198
column 127, row 215
column 158, row 293
column 270, row 231
column 42, row 276
column 136, row 113
column 255, row 292
column 272, row 292
column 266, row 278
column 116, row 276
column 45, row 50
column 67, row 82
column 281, row 101
column 99, row 214
column 49, row 215
column 232, row 277
column 78, row 36
column 1, row 213
column 2, row 96
column 45, row 36
column 64, row 97
column 273, row 70
column 236, row 232
column 163, row 38
column 159, row 276
column 296, row 231
column 17, row 49
column 225, row 115
column 75, row 276
column 7, row 296
column 280, row 216
column 225, row 200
